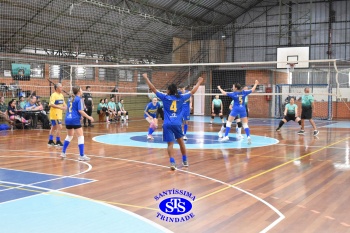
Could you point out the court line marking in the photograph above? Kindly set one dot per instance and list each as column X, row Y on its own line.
column 39, row 182
column 272, row 169
column 281, row 216
column 270, row 226
column 66, row 194
column 23, row 185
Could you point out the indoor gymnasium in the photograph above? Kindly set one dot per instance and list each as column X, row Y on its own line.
column 174, row 116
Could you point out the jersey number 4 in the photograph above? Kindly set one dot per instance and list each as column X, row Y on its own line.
column 173, row 106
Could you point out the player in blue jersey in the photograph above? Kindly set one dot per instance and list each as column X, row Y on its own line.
column 238, row 124
column 151, row 116
column 239, row 109
column 75, row 110
column 173, row 104
column 186, row 110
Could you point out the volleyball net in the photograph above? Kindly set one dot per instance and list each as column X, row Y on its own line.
column 328, row 81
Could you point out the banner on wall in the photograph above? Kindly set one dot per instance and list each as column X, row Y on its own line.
column 21, row 72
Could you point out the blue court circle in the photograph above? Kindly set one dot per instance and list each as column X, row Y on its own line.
column 196, row 140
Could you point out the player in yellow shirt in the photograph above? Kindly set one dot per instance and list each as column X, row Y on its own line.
column 57, row 105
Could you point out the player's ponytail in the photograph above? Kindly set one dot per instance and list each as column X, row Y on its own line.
column 172, row 88
column 238, row 86
column 75, row 89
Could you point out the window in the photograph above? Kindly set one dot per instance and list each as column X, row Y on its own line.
column 87, row 73
column 126, row 75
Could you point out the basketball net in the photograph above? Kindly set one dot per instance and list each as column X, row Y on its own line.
column 290, row 67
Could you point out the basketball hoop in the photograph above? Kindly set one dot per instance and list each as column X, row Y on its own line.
column 290, row 67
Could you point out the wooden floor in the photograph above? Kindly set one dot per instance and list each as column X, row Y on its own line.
column 301, row 184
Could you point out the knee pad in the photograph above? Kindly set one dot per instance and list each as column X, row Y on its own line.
column 228, row 124
column 299, row 122
column 127, row 113
column 80, row 140
column 221, row 116
column 68, row 138
column 245, row 125
column 239, row 124
column 152, row 125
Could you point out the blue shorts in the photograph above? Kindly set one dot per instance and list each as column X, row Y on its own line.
column 186, row 115
column 152, row 115
column 172, row 132
column 56, row 122
column 241, row 112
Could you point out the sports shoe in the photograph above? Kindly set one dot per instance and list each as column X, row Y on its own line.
column 301, row 132
column 91, row 126
column 278, row 129
column 185, row 163
column 84, row 158
column 211, row 122
column 239, row 136
column 85, row 125
column 185, row 138
column 173, row 166
column 249, row 140
column 316, row 132
column 51, row 143
column 63, row 155
column 220, row 134
column 150, row 137
column 224, row 139
column 59, row 143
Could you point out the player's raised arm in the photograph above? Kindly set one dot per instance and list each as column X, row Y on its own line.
column 150, row 85
column 195, row 88
column 222, row 91
column 255, row 85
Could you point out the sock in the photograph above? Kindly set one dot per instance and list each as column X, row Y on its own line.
column 222, row 130
column 150, row 131
column 280, row 124
column 247, row 131
column 184, row 158
column 81, row 149
column 172, row 160
column 65, row 145
column 127, row 117
column 227, row 131
column 51, row 137
column 185, row 128
column 58, row 139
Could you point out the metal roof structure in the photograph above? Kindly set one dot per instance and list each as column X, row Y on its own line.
column 110, row 29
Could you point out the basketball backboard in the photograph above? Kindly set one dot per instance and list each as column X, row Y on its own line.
column 293, row 55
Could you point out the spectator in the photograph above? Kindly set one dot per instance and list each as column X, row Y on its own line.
column 22, row 103
column 105, row 105
column 3, row 106
column 122, row 110
column 88, row 105
column 12, row 112
column 112, row 108
column 116, row 96
column 32, row 104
